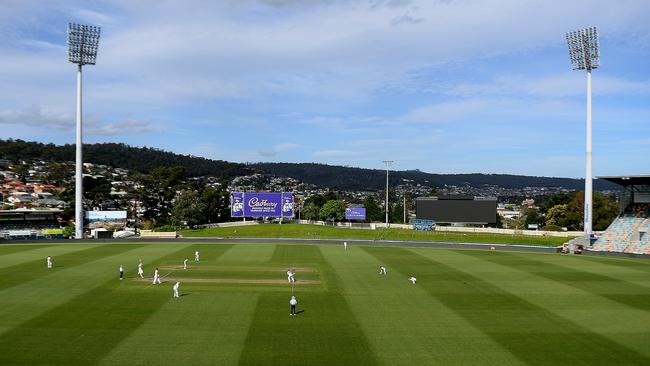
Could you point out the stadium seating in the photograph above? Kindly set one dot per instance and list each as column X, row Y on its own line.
column 624, row 234
column 30, row 230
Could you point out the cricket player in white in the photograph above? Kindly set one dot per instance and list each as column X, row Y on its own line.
column 293, row 302
column 412, row 279
column 49, row 262
column 382, row 270
column 156, row 277
column 290, row 277
column 185, row 264
column 345, row 245
column 140, row 271
column 121, row 272
column 176, row 286
column 196, row 256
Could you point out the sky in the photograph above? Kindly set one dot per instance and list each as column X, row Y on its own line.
column 447, row 86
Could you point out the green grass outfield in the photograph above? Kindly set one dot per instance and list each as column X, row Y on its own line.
column 329, row 232
column 469, row 307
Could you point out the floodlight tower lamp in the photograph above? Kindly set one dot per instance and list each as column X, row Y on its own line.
column 83, row 41
column 584, row 54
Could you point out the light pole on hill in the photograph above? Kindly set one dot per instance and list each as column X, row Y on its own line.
column 585, row 55
column 387, row 163
column 82, row 50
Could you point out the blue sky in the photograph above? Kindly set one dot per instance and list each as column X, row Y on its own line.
column 442, row 86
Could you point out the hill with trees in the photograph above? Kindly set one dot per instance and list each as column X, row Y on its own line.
column 146, row 159
column 140, row 159
column 347, row 178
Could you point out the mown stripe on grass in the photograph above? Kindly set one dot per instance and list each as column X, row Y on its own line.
column 635, row 270
column 619, row 322
column 87, row 326
column 403, row 323
column 614, row 289
column 37, row 253
column 202, row 327
column 640, row 264
column 325, row 331
column 531, row 333
column 26, row 271
column 248, row 253
column 6, row 249
column 25, row 301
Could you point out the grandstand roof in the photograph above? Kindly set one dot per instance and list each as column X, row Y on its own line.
column 628, row 180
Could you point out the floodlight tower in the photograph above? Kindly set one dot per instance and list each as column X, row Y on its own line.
column 387, row 163
column 82, row 50
column 585, row 55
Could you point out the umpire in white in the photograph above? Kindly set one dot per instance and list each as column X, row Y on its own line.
column 293, row 302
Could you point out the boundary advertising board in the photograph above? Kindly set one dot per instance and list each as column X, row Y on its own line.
column 261, row 204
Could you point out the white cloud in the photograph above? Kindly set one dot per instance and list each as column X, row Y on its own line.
column 275, row 150
column 122, row 128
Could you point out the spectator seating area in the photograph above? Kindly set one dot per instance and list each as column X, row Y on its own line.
column 627, row 234
column 30, row 230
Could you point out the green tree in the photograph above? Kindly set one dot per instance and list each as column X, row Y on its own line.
column 317, row 200
column 397, row 213
column 21, row 171
column 556, row 215
column 373, row 211
column 188, row 209
column 605, row 210
column 216, row 204
column 156, row 190
column 332, row 210
column 310, row 212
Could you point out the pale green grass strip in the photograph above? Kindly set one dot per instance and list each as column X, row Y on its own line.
column 403, row 323
column 622, row 324
column 248, row 254
column 39, row 253
column 28, row 300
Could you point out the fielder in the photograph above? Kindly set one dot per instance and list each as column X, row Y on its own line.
column 185, row 264
column 382, row 270
column 293, row 302
column 156, row 276
column 345, row 245
column 121, row 272
column 412, row 279
column 140, row 271
column 49, row 262
column 176, row 286
column 196, row 256
column 290, row 277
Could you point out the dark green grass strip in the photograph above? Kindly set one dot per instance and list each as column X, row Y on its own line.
column 25, row 272
column 85, row 329
column 531, row 333
column 325, row 333
column 614, row 289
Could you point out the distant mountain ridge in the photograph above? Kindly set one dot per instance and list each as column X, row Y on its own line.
column 144, row 159
column 339, row 177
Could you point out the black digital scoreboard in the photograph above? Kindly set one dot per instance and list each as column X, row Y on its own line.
column 457, row 209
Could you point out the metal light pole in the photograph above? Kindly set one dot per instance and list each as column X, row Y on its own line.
column 585, row 55
column 82, row 50
column 387, row 163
